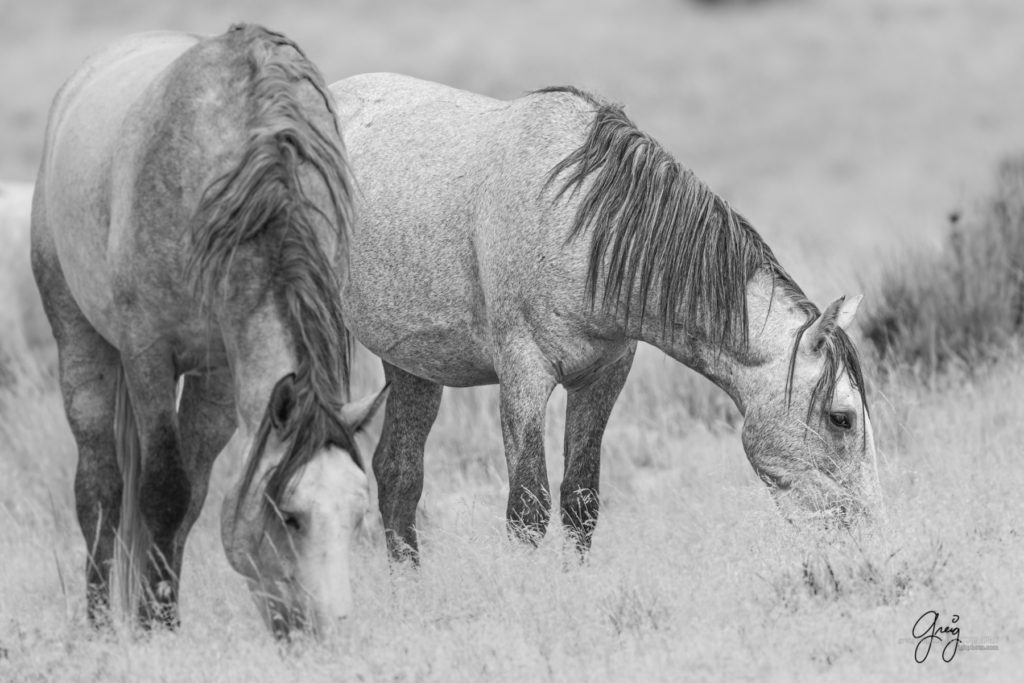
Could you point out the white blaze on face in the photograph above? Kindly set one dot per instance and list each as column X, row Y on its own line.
column 327, row 500
column 847, row 399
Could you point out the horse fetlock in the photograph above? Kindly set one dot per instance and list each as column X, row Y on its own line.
column 580, row 509
column 527, row 532
column 160, row 613
column 97, row 600
column 528, row 515
column 403, row 547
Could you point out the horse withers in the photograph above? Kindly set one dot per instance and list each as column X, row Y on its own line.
column 191, row 219
column 534, row 242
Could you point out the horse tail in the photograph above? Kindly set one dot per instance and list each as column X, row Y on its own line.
column 133, row 548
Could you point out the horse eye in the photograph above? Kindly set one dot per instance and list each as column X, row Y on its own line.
column 841, row 420
column 292, row 522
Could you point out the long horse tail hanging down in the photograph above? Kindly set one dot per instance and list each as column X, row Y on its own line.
column 264, row 194
column 658, row 229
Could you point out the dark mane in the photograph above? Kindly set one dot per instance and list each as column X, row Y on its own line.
column 571, row 90
column 263, row 197
column 657, row 231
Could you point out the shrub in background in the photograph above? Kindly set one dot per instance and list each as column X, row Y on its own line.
column 962, row 305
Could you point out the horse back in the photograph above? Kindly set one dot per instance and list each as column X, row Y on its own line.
column 458, row 238
column 136, row 138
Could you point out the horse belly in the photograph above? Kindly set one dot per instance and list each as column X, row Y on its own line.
column 409, row 319
column 454, row 354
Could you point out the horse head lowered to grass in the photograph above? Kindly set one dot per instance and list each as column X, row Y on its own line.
column 534, row 242
column 191, row 218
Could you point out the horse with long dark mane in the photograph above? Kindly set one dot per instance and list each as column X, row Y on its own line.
column 534, row 242
column 191, row 217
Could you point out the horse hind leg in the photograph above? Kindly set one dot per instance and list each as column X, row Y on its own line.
column 88, row 368
column 586, row 416
column 412, row 407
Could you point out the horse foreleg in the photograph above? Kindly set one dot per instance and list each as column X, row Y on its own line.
column 586, row 416
column 398, row 461
column 524, row 395
column 206, row 421
column 164, row 491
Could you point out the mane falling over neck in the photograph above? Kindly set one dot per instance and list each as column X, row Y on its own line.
column 657, row 232
column 265, row 196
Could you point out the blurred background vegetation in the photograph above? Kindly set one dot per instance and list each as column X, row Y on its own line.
column 848, row 132
column 839, row 128
column 962, row 305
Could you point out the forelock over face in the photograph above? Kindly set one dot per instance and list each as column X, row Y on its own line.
column 331, row 493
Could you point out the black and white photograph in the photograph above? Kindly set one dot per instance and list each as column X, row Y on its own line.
column 497, row 340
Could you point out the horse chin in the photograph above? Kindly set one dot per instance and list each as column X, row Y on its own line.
column 285, row 614
column 826, row 506
column 289, row 610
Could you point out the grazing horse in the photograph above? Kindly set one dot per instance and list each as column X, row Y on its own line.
column 191, row 216
column 534, row 242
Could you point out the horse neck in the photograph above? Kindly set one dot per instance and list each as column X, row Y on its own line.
column 740, row 369
column 259, row 352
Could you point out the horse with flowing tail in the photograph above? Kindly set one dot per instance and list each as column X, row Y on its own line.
column 534, row 242
column 191, row 216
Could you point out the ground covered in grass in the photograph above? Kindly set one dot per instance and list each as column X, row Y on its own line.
column 693, row 574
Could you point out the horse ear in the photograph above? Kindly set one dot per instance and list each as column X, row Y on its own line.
column 356, row 414
column 821, row 328
column 282, row 400
column 847, row 311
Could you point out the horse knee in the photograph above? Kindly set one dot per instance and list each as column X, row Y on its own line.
column 399, row 475
column 98, row 490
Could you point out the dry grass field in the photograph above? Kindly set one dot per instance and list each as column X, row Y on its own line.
column 846, row 131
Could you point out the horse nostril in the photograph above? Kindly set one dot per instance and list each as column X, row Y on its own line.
column 280, row 628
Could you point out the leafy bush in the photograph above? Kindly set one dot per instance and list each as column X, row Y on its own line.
column 964, row 304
